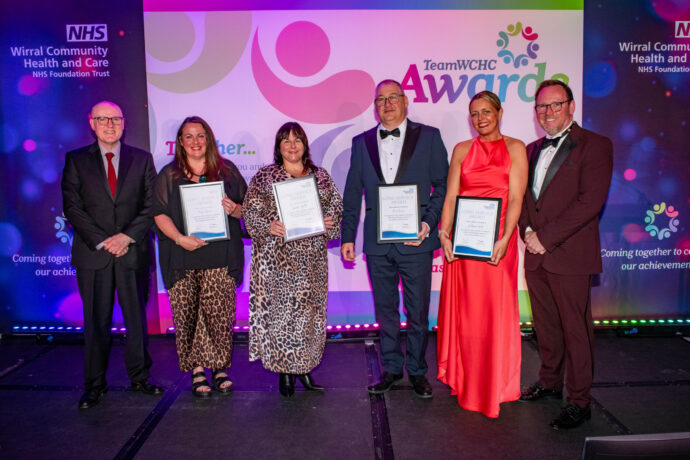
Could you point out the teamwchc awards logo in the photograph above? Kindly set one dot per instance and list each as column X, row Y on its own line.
column 653, row 224
column 517, row 45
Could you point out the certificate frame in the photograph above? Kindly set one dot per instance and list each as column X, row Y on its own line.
column 191, row 195
column 476, row 243
column 294, row 213
column 384, row 233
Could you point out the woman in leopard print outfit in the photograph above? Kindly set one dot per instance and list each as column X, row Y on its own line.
column 201, row 277
column 289, row 281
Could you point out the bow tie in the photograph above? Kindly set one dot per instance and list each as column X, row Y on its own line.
column 550, row 142
column 385, row 133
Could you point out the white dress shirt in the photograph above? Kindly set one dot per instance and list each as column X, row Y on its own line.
column 544, row 161
column 390, row 150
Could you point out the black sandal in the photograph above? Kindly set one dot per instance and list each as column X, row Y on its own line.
column 200, row 383
column 219, row 380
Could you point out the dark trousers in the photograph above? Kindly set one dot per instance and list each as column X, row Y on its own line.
column 385, row 273
column 562, row 314
column 97, row 289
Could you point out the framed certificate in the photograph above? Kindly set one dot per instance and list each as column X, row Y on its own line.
column 299, row 207
column 398, row 218
column 202, row 211
column 476, row 224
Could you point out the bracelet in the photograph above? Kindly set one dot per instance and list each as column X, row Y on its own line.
column 443, row 231
column 177, row 239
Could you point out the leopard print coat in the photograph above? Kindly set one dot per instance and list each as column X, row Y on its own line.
column 288, row 287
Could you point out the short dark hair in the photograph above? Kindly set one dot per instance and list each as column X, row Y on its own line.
column 282, row 134
column 489, row 97
column 388, row 81
column 547, row 83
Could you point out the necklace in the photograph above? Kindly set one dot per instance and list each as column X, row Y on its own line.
column 202, row 177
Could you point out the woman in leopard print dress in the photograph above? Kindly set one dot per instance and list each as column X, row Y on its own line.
column 289, row 281
column 201, row 277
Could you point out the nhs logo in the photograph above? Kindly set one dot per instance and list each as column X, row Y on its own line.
column 87, row 32
column 682, row 29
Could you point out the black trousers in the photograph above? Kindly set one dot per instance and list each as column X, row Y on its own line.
column 97, row 289
column 385, row 273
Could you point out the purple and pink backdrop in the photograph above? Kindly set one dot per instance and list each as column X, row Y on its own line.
column 249, row 70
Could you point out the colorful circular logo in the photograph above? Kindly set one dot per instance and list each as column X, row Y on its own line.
column 517, row 38
column 653, row 222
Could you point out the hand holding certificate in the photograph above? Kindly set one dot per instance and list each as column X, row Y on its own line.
column 475, row 229
column 202, row 210
column 299, row 207
column 398, row 213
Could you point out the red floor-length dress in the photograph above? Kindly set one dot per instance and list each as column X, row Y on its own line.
column 478, row 319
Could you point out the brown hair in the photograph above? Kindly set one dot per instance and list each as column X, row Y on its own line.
column 215, row 166
column 547, row 83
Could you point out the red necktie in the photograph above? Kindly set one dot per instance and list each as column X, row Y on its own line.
column 112, row 178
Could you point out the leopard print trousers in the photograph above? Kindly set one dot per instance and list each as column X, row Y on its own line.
column 203, row 307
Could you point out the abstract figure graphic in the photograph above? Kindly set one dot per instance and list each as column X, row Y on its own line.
column 651, row 218
column 302, row 48
column 64, row 233
column 170, row 36
column 515, row 31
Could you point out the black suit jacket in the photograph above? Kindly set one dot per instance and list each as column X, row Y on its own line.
column 423, row 161
column 565, row 215
column 96, row 215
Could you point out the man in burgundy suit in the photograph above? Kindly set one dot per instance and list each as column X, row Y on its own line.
column 569, row 177
column 107, row 193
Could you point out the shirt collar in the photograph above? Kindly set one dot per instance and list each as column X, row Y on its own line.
column 115, row 151
column 402, row 127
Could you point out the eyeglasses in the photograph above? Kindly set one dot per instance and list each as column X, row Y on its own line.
column 555, row 106
column 104, row 121
column 393, row 99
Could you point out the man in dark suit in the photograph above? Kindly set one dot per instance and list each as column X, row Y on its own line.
column 107, row 190
column 398, row 151
column 569, row 178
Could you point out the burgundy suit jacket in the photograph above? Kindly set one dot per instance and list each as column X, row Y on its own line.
column 565, row 215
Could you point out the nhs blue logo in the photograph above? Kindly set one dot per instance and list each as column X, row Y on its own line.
column 87, row 32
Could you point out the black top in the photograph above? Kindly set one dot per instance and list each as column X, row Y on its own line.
column 174, row 259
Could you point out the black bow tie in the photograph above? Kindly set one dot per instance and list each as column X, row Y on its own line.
column 385, row 133
column 550, row 142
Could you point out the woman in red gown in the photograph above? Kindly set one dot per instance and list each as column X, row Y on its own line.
column 478, row 320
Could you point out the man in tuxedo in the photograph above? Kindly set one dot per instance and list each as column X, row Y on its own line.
column 397, row 151
column 569, row 178
column 107, row 190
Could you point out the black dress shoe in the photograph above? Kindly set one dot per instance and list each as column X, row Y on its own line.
column 92, row 397
column 537, row 391
column 286, row 384
column 386, row 383
column 421, row 386
column 146, row 387
column 308, row 382
column 571, row 416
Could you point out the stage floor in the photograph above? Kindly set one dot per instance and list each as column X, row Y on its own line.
column 642, row 385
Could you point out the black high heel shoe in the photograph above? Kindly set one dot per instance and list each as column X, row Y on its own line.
column 286, row 384
column 308, row 382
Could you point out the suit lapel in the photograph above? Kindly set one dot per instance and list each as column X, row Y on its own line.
column 126, row 159
column 99, row 168
column 563, row 151
column 533, row 159
column 409, row 144
column 372, row 144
